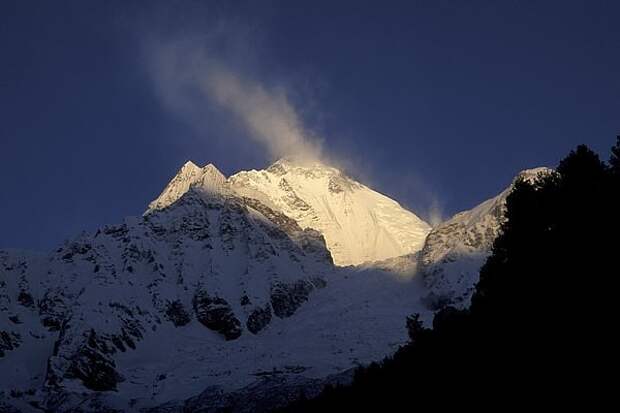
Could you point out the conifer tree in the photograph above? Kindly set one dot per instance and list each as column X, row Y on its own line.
column 614, row 160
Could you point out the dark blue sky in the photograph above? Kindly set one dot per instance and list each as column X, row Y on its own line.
column 432, row 101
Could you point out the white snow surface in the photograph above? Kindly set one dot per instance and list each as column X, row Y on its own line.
column 359, row 224
column 208, row 179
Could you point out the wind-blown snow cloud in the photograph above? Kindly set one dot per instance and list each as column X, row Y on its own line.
column 435, row 215
column 209, row 77
column 189, row 79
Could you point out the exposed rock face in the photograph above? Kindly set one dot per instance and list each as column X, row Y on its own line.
column 92, row 365
column 84, row 354
column 53, row 310
column 176, row 313
column 215, row 313
column 259, row 319
column 25, row 299
column 9, row 340
column 287, row 298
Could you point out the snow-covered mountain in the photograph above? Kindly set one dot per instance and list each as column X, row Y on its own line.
column 207, row 179
column 213, row 290
column 224, row 294
column 359, row 224
column 456, row 249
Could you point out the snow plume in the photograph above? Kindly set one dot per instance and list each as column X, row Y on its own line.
column 435, row 215
column 191, row 79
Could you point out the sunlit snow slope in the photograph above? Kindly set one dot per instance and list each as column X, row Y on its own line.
column 359, row 224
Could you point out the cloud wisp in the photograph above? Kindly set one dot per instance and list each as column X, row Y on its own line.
column 207, row 79
column 190, row 80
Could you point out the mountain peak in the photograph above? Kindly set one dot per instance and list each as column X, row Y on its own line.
column 189, row 165
column 359, row 224
column 456, row 249
column 212, row 171
column 530, row 174
column 207, row 179
column 306, row 168
column 210, row 167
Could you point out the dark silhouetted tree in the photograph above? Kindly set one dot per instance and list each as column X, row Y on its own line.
column 614, row 160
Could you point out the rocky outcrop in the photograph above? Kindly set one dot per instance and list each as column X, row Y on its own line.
column 216, row 314
column 9, row 340
column 259, row 319
column 94, row 368
column 175, row 311
column 53, row 309
column 291, row 198
column 287, row 298
column 25, row 299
